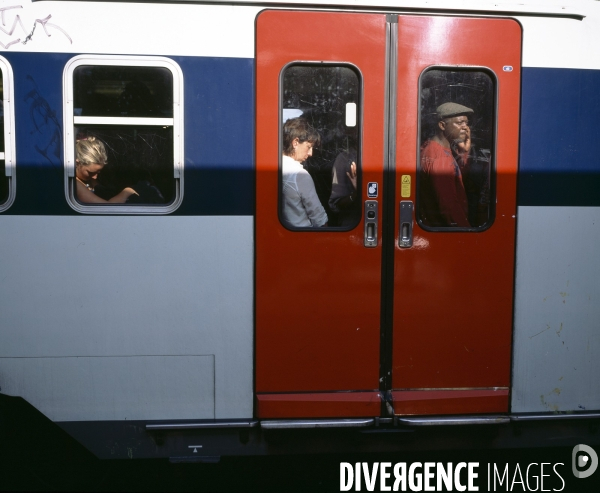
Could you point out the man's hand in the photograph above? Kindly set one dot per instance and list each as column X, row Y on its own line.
column 352, row 174
column 464, row 146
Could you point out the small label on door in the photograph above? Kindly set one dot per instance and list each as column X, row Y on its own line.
column 372, row 189
column 405, row 190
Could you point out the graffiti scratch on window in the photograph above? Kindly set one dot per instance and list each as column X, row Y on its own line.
column 18, row 22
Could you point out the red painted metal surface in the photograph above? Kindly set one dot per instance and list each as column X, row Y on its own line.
column 317, row 293
column 321, row 405
column 453, row 291
column 428, row 402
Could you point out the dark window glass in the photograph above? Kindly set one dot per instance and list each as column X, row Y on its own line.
column 320, row 177
column 138, row 156
column 122, row 107
column 456, row 179
column 4, row 180
column 123, row 91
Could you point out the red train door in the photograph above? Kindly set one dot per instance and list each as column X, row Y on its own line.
column 453, row 287
column 318, row 289
column 365, row 301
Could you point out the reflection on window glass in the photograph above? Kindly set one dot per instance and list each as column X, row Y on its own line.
column 320, row 141
column 456, row 170
column 123, row 135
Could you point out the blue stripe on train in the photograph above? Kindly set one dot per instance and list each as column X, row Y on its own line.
column 219, row 137
column 560, row 133
column 559, row 164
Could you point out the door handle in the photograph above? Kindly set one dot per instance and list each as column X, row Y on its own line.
column 371, row 217
column 405, row 238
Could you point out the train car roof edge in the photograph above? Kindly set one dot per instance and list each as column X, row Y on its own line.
column 432, row 8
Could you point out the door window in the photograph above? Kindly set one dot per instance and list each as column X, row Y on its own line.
column 320, row 141
column 456, row 178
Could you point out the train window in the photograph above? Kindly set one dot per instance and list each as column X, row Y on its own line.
column 320, row 142
column 7, row 137
column 123, row 134
column 456, row 177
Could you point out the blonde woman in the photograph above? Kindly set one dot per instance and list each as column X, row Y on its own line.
column 90, row 159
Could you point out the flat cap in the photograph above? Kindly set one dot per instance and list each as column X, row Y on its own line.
column 448, row 110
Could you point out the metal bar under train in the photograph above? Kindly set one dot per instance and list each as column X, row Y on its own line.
column 366, row 422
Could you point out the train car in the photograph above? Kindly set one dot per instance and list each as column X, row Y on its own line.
column 357, row 225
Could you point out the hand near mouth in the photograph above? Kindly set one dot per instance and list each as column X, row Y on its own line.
column 464, row 146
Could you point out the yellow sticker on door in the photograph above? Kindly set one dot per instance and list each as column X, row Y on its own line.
column 405, row 190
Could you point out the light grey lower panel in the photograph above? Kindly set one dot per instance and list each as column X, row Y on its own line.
column 557, row 310
column 107, row 286
column 114, row 388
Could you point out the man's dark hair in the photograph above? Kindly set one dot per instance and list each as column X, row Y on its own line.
column 298, row 128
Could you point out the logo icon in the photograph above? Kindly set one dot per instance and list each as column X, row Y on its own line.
column 585, row 461
column 372, row 189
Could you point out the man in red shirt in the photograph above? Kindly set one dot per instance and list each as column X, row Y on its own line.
column 443, row 159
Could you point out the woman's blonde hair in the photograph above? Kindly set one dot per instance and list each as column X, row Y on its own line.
column 90, row 151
